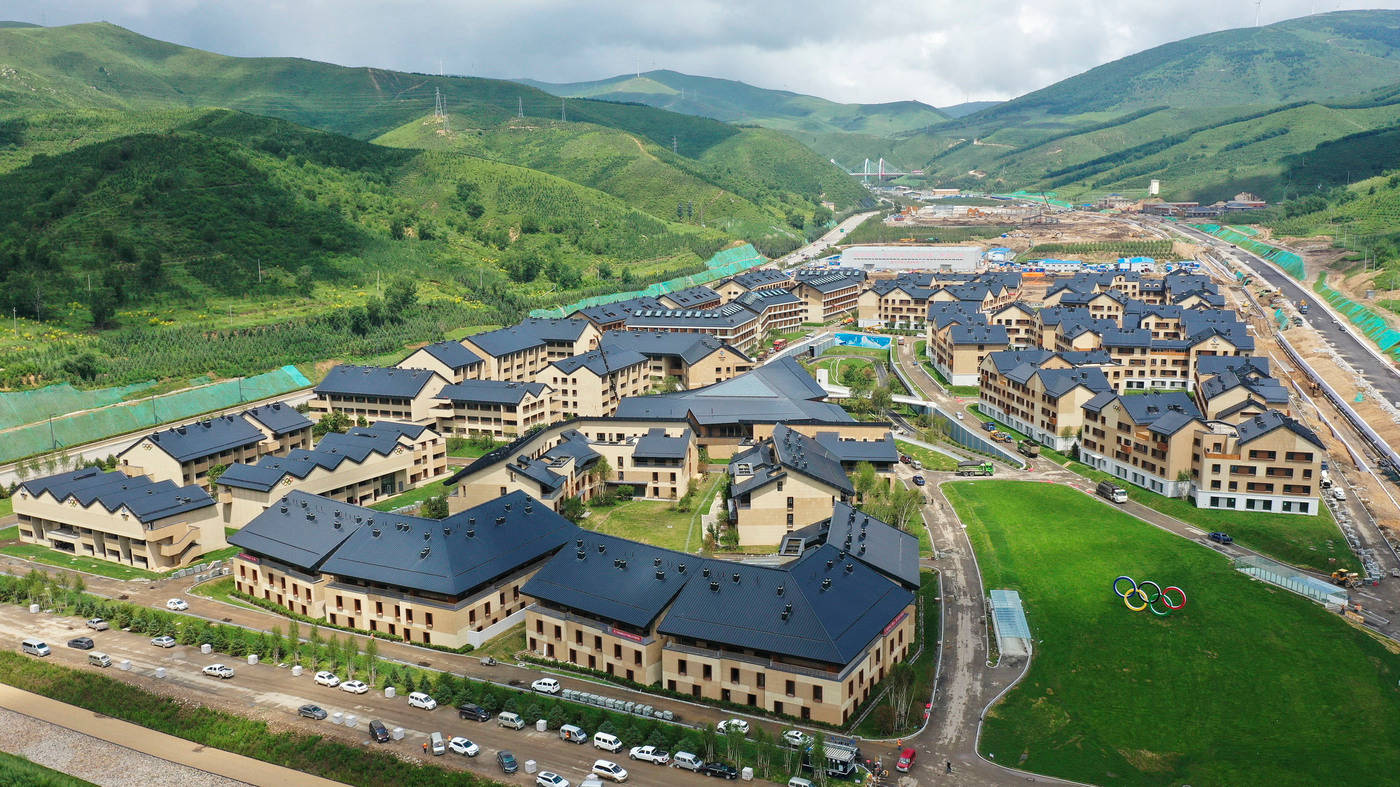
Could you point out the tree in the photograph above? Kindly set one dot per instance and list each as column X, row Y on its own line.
column 334, row 421
column 818, row 758
column 881, row 398
column 214, row 473
column 901, row 695
column 400, row 296
column 601, row 470
column 571, row 508
column 865, row 481
column 372, row 658
column 434, row 507
column 796, row 220
column 102, row 304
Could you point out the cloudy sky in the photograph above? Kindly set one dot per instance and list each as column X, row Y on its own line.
column 938, row 51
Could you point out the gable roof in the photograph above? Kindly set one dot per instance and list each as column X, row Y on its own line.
column 690, row 297
column 655, row 444
column 778, row 391
column 303, row 529
column 532, row 332
column 382, row 438
column 618, row 310
column 453, row 355
column 490, row 391
column 205, row 438
column 147, row 500
column 689, row 347
column 881, row 450
column 279, row 418
column 1253, row 428
column 873, row 541
column 600, row 362
column 386, row 382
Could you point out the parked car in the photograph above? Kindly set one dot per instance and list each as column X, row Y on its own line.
column 905, row 761
column 221, row 671
column 463, row 746
column 473, row 712
column 163, row 641
column 797, row 739
column 989, row 426
column 327, row 679
column 98, row 624
column 650, row 754
column 550, row 779
column 354, row 687
column 1221, row 538
column 507, row 761
column 722, row 770
column 610, row 770
column 546, row 686
column 177, row 605
column 572, row 733
column 919, row 480
column 905, row 459
column 1338, row 494
column 734, row 725
column 418, row 699
column 81, row 643
column 312, row 712
column 378, row 731
column 510, row 720
column 35, row 647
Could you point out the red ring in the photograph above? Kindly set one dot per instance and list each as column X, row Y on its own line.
column 1168, row 601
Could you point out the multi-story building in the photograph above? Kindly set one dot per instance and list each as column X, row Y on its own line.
column 1040, row 393
column 731, row 323
column 958, row 348
column 900, row 303
column 362, row 466
column 520, row 352
column 452, row 362
column 1020, row 323
column 784, row 483
column 697, row 297
column 657, row 616
column 185, row 454
column 694, row 361
column 504, row 410
column 828, row 292
column 1234, row 389
column 657, row 461
column 132, row 520
column 779, row 311
column 754, row 280
column 591, row 385
column 1145, row 439
column 1267, row 462
column 452, row 582
column 611, row 316
column 375, row 393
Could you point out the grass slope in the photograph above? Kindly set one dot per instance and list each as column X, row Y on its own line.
column 729, row 100
column 1249, row 684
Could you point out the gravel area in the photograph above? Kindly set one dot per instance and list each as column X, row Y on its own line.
column 93, row 759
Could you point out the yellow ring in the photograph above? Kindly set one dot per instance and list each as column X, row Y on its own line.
column 1130, row 594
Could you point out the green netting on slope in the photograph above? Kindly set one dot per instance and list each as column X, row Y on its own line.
column 1244, row 230
column 1291, row 263
column 24, row 407
column 1048, row 196
column 126, row 417
column 722, row 264
column 1371, row 324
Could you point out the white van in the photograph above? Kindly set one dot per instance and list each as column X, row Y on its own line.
column 798, row 781
column 606, row 742
column 99, row 659
column 34, row 647
column 684, row 759
column 437, row 744
column 418, row 699
column 512, row 720
column 572, row 734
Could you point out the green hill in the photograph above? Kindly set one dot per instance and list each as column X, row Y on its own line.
column 729, row 100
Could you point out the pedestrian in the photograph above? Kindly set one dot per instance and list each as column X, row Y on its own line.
column 947, row 766
column 425, row 747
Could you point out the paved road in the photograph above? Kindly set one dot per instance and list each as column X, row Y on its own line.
column 831, row 238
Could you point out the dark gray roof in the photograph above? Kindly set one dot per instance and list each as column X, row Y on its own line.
column 489, row 391
column 761, row 276
column 356, row 445
column 762, row 300
column 279, row 418
column 600, row 362
column 877, row 451
column 1262, row 424
column 533, row 332
column 1086, row 357
column 605, row 313
column 457, row 554
column 775, row 392
column 826, row 281
column 302, row 529
column 615, row 579
column 1172, row 409
column 206, row 438
column 830, row 623
column 1058, row 382
column 147, row 500
column 689, row 347
column 1006, row 360
column 1207, row 365
column 452, row 354
column 390, row 383
column 1267, row 388
column 945, row 313
column 874, row 542
column 979, row 334
column 691, row 297
column 730, row 315
column 802, row 454
column 656, row 445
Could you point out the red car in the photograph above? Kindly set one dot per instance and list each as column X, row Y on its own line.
column 906, row 761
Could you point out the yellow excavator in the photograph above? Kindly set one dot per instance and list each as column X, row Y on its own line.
column 1346, row 579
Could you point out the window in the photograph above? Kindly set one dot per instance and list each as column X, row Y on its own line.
column 617, row 651
column 707, row 672
column 816, row 694
column 681, row 667
column 791, row 688
column 789, row 503
column 539, row 625
column 578, row 637
column 762, row 679
column 428, row 618
column 733, row 674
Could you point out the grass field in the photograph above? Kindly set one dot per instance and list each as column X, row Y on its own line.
column 657, row 522
column 869, row 352
column 412, row 496
column 220, row 590
column 15, row 769
column 1248, row 684
column 7, row 506
column 1307, row 541
column 52, row 557
column 505, row 645
column 931, row 460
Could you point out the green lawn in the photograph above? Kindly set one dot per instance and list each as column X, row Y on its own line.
column 53, row 557
column 931, row 460
column 869, row 352
column 505, row 645
column 983, row 417
column 430, row 489
column 10, row 533
column 1307, row 541
column 834, row 367
column 877, row 724
column 7, row 507
column 468, row 451
column 955, row 390
column 657, row 522
column 1248, row 684
column 15, row 769
column 220, row 590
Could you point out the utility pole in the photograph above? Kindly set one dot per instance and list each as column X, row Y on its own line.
column 562, row 114
column 260, row 270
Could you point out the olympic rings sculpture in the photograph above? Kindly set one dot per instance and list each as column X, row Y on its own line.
column 1138, row 592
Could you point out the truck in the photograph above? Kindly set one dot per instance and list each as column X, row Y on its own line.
column 779, row 344
column 1029, row 448
column 1302, row 307
column 972, row 467
column 1112, row 492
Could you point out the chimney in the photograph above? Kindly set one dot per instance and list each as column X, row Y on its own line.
column 714, row 587
column 826, row 583
column 736, row 577
column 660, row 574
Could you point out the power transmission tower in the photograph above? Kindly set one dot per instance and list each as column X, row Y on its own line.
column 437, row 104
column 519, row 107
column 562, row 114
column 673, row 147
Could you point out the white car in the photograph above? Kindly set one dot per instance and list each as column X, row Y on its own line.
column 546, row 686
column 418, row 699
column 610, row 770
column 354, row 687
column 797, row 739
column 177, row 605
column 219, row 671
column 733, row 725
column 650, row 754
column 463, row 747
column 1338, row 494
column 163, row 641
column 550, row 779
column 327, row 679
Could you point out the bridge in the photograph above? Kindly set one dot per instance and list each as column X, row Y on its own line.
column 880, row 171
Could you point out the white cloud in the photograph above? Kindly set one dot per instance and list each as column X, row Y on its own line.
column 938, row 51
